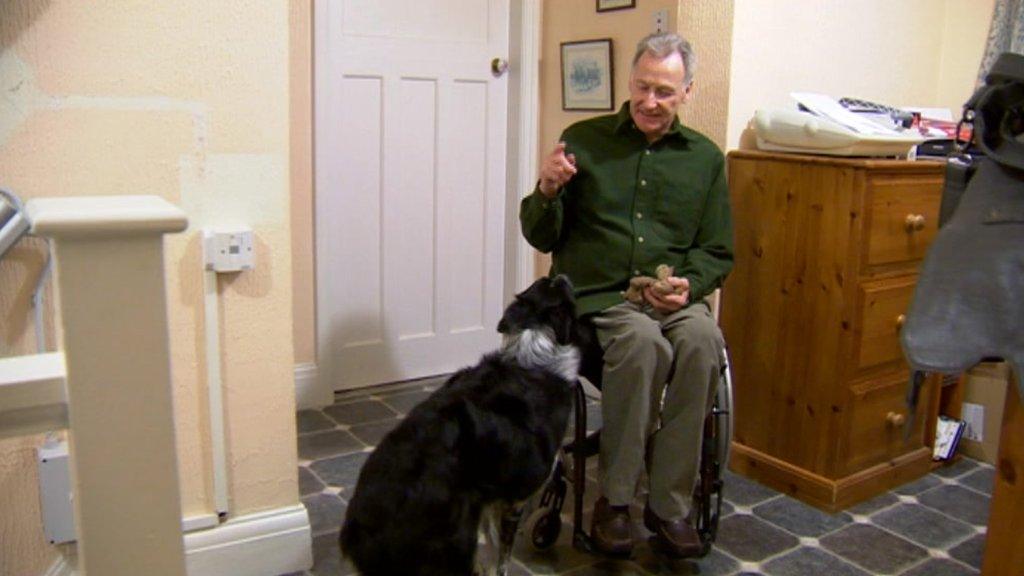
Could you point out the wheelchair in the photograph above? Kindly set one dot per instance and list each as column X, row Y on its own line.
column 544, row 524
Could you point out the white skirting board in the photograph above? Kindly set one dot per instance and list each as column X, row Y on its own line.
column 309, row 392
column 63, row 566
column 264, row 544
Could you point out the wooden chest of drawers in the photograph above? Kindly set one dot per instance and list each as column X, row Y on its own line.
column 827, row 252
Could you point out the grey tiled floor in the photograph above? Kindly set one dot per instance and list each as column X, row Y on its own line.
column 934, row 526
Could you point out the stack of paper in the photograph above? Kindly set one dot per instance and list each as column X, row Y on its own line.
column 947, row 436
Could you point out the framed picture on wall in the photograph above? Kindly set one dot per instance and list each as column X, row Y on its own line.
column 608, row 5
column 587, row 75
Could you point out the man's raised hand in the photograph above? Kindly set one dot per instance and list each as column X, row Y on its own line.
column 556, row 169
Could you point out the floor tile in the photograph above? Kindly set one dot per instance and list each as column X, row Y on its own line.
column 958, row 468
column 970, row 552
column 312, row 421
column 727, row 508
column 745, row 492
column 308, row 482
column 751, row 539
column 869, row 507
column 983, row 480
column 327, row 557
column 923, row 525
column 561, row 557
column 940, row 567
column 405, row 401
column 341, row 471
column 715, row 563
column 917, row 486
column 372, row 434
column 799, row 518
column 873, row 549
column 604, row 568
column 319, row 445
column 959, row 502
column 806, row 560
column 359, row 412
column 326, row 512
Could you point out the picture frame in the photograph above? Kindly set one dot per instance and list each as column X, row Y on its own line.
column 587, row 75
column 609, row 5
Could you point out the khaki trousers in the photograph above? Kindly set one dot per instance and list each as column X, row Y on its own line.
column 645, row 350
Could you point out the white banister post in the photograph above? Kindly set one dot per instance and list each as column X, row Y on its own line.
column 110, row 278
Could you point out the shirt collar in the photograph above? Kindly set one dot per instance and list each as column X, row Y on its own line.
column 624, row 124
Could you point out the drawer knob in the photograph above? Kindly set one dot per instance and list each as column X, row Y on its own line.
column 895, row 419
column 914, row 222
column 900, row 321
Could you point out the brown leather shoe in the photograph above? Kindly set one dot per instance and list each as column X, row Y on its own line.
column 610, row 529
column 678, row 536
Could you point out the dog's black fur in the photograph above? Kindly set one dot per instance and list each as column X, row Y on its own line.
column 490, row 435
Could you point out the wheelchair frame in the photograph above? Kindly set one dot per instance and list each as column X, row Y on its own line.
column 544, row 524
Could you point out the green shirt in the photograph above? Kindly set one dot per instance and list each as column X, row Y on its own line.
column 631, row 206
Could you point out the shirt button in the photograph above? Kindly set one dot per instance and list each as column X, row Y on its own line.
column 647, row 152
column 640, row 239
column 643, row 182
column 639, row 215
column 636, row 272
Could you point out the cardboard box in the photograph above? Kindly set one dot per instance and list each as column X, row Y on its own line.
column 984, row 396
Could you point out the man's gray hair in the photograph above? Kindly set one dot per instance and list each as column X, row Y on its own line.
column 662, row 44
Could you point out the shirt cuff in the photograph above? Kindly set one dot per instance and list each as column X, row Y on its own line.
column 546, row 202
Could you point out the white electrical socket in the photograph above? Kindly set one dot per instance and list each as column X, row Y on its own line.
column 55, row 494
column 228, row 250
column 660, row 21
column 974, row 418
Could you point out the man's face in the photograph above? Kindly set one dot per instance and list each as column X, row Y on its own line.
column 656, row 91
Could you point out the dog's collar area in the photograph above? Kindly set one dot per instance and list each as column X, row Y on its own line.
column 537, row 348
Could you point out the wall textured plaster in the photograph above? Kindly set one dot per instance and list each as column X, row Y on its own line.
column 188, row 101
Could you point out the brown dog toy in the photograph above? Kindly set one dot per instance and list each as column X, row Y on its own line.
column 660, row 285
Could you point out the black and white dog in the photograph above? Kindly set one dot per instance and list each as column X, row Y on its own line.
column 474, row 449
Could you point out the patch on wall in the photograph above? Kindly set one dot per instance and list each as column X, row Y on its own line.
column 18, row 93
column 235, row 190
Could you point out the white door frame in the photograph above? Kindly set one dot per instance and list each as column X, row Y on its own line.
column 524, row 58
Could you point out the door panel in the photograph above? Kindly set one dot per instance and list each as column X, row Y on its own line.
column 410, row 127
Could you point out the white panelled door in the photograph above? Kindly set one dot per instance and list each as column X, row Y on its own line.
column 410, row 185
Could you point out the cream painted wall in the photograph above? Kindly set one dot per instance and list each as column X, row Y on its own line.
column 188, row 101
column 915, row 52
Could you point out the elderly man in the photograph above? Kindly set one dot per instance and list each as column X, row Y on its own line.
column 619, row 195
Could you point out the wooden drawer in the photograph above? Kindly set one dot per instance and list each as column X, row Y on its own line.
column 902, row 219
column 883, row 306
column 878, row 411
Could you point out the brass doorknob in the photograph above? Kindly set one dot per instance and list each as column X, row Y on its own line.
column 914, row 222
column 499, row 66
column 895, row 419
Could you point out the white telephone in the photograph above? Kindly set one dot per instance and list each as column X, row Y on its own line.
column 829, row 129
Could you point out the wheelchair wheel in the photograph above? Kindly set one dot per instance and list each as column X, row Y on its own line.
column 714, row 457
column 543, row 527
column 723, row 412
column 544, row 523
